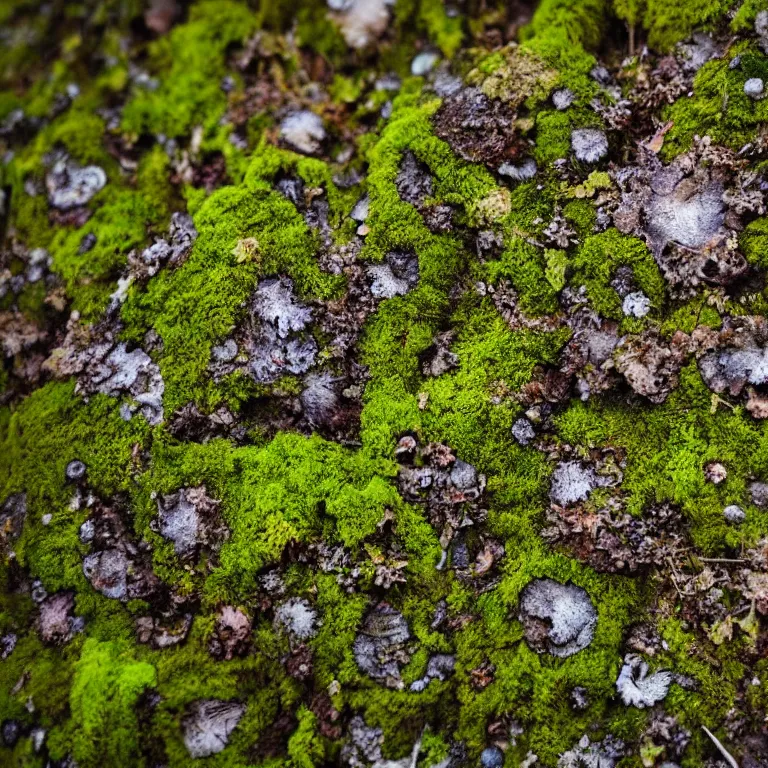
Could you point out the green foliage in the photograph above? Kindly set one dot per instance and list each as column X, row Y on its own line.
column 286, row 492
column 744, row 18
column 305, row 748
column 629, row 10
column 305, row 489
column 754, row 242
column 667, row 448
column 525, row 266
column 196, row 305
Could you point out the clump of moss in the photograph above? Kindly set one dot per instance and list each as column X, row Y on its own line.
column 719, row 107
column 193, row 55
column 106, row 687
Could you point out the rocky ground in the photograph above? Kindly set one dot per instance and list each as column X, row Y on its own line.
column 384, row 384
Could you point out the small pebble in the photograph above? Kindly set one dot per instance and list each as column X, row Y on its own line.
column 754, row 87
column 360, row 211
column 303, row 131
column 523, row 432
column 492, row 757
column 75, row 471
column 734, row 514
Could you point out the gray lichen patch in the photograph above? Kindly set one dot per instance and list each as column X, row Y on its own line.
column 594, row 754
column 278, row 343
column 171, row 252
column 522, row 171
column 574, row 481
column 117, row 566
column 303, row 131
column 557, row 618
column 439, row 667
column 57, row 623
column 189, row 518
column 107, row 571
column 734, row 357
column 395, row 276
column 589, row 144
column 380, row 646
column 414, row 182
column 688, row 213
column 275, row 305
column 637, row 687
column 70, row 185
column 319, row 398
column 110, row 367
column 298, row 618
column 208, row 725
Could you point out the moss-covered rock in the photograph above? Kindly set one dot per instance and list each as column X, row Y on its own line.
column 383, row 384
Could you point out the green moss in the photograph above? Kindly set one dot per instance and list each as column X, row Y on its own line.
column 443, row 29
column 668, row 25
column 564, row 23
column 47, row 675
column 719, row 107
column 282, row 494
column 49, row 429
column 106, row 686
column 753, row 242
column 119, row 225
column 189, row 673
column 198, row 304
column 299, row 489
column 744, row 18
column 194, row 55
column 305, row 747
column 525, row 266
column 667, row 448
column 595, row 262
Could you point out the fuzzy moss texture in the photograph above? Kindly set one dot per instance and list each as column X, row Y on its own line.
column 185, row 116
